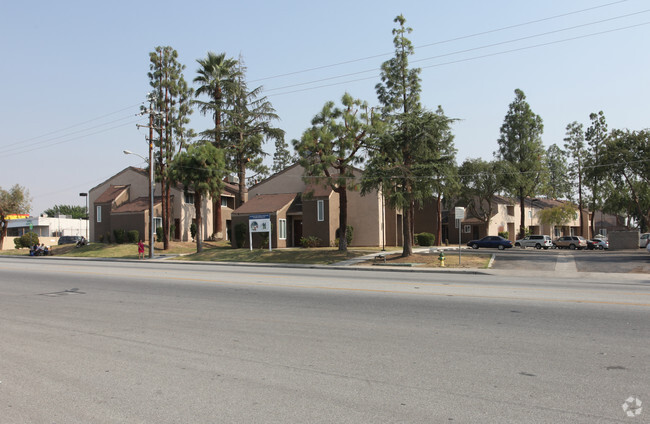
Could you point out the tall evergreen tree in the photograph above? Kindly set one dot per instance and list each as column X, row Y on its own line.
column 331, row 148
column 399, row 94
column 282, row 157
column 520, row 144
column 480, row 181
column 556, row 184
column 249, row 125
column 574, row 143
column 215, row 78
column 171, row 103
column 596, row 136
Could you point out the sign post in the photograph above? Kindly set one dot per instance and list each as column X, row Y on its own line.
column 459, row 214
column 260, row 223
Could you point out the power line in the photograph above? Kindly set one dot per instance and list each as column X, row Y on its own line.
column 454, row 61
column 441, row 42
column 28, row 145
column 72, row 139
column 79, row 124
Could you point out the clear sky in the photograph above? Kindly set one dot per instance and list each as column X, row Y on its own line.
column 75, row 72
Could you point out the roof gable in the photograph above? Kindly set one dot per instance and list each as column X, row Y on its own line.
column 112, row 193
column 266, row 203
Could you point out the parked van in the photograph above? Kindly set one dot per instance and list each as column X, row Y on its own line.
column 535, row 241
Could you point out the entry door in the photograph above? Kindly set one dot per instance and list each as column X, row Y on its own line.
column 297, row 231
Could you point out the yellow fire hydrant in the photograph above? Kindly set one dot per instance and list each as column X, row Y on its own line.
column 441, row 258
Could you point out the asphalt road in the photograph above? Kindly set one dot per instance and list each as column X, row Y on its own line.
column 145, row 342
column 600, row 261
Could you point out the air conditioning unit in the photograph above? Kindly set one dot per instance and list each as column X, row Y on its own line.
column 234, row 179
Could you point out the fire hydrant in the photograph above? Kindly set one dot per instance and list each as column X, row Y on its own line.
column 441, row 258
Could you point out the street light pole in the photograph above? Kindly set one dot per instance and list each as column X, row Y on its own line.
column 87, row 214
column 151, row 193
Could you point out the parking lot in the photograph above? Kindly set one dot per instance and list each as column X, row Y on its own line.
column 612, row 261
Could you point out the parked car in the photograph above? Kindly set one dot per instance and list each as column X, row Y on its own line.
column 570, row 242
column 535, row 241
column 490, row 241
column 599, row 244
column 647, row 247
column 643, row 239
column 69, row 239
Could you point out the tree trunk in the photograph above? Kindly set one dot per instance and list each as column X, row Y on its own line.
column 522, row 210
column 407, row 249
column 582, row 224
column 218, row 225
column 3, row 231
column 439, row 220
column 199, row 222
column 343, row 218
column 167, row 218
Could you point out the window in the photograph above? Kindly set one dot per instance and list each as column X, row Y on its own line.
column 283, row 229
column 467, row 229
column 530, row 214
column 321, row 210
column 189, row 198
column 511, row 210
column 99, row 214
column 224, row 202
column 157, row 222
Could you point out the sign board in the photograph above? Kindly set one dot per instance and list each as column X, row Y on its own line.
column 259, row 223
column 31, row 226
column 459, row 213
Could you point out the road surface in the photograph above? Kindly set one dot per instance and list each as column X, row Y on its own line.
column 147, row 342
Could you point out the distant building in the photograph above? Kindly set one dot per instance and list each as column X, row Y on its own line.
column 48, row 229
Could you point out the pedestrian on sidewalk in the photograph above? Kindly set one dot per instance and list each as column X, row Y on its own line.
column 140, row 250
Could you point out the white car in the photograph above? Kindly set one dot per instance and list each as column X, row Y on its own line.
column 643, row 240
column 535, row 241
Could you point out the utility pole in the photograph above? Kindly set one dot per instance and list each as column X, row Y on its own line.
column 152, row 184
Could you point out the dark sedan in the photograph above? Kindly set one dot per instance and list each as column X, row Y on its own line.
column 490, row 241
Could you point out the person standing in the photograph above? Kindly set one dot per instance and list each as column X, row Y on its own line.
column 140, row 250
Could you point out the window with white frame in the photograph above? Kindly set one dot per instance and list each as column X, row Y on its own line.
column 282, row 229
column 157, row 222
column 99, row 214
column 467, row 229
column 224, row 202
column 320, row 205
column 189, row 198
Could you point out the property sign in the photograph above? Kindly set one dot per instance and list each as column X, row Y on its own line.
column 260, row 223
column 459, row 213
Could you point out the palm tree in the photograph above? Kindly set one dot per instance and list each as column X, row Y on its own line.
column 215, row 78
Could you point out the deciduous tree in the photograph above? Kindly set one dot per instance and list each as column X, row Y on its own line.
column 16, row 200
column 75, row 212
column 200, row 168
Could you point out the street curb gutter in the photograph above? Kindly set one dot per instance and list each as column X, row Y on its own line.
column 263, row 265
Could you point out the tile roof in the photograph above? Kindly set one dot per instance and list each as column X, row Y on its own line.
column 266, row 203
column 111, row 193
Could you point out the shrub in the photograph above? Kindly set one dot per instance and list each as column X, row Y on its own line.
column 133, row 236
column 193, row 230
column 504, row 234
column 172, row 231
column 311, row 241
column 26, row 240
column 159, row 234
column 107, row 237
column 348, row 235
column 425, row 239
column 241, row 231
column 120, row 236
